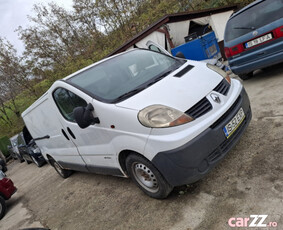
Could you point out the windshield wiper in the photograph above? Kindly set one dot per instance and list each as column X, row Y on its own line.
column 244, row 28
column 137, row 90
column 159, row 77
column 130, row 93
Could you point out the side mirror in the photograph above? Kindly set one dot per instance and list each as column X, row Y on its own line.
column 84, row 117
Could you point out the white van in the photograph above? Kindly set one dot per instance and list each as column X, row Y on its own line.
column 160, row 120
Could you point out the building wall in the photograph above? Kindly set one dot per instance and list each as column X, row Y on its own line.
column 179, row 30
column 218, row 23
column 156, row 37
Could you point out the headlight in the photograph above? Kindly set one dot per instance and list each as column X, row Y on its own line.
column 160, row 116
column 219, row 71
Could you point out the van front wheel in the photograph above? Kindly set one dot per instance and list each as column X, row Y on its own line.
column 147, row 177
column 62, row 172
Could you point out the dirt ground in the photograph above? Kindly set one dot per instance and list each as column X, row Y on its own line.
column 249, row 181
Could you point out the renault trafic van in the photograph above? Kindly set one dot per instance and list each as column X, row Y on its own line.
column 161, row 120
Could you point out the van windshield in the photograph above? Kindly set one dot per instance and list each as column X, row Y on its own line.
column 121, row 77
column 253, row 18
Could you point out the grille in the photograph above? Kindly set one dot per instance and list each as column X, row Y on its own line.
column 223, row 87
column 199, row 109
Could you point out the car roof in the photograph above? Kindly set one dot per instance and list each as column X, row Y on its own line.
column 246, row 8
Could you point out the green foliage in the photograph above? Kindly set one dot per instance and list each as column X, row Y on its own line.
column 4, row 142
column 60, row 42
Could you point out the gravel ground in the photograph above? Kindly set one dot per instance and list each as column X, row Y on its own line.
column 247, row 182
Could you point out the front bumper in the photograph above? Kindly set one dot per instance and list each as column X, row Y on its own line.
column 190, row 162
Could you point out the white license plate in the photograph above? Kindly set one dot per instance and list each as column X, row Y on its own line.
column 259, row 40
column 234, row 123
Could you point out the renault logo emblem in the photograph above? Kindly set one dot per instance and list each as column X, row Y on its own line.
column 215, row 98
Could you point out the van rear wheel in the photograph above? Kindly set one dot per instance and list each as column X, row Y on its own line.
column 147, row 177
column 62, row 172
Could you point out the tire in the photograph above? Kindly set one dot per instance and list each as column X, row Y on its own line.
column 27, row 161
column 38, row 164
column 2, row 207
column 4, row 169
column 246, row 76
column 147, row 177
column 21, row 159
column 62, row 172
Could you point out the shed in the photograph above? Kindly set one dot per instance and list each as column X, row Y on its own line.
column 171, row 30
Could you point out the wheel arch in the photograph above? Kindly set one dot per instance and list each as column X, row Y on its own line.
column 123, row 156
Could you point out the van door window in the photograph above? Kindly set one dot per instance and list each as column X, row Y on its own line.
column 66, row 101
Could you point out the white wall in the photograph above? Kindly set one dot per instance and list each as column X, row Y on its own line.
column 218, row 23
column 156, row 37
column 179, row 30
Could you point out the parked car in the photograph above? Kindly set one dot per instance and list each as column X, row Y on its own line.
column 11, row 152
column 7, row 189
column 161, row 120
column 3, row 166
column 28, row 149
column 14, row 149
column 253, row 37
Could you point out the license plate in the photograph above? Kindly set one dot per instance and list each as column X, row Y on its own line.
column 259, row 40
column 234, row 123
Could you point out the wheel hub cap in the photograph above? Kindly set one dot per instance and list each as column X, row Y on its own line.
column 145, row 177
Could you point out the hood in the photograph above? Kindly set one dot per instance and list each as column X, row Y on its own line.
column 176, row 92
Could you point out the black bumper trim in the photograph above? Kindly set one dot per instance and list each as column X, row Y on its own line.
column 190, row 162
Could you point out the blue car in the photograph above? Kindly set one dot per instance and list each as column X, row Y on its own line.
column 253, row 37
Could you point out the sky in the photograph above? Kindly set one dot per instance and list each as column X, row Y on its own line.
column 13, row 13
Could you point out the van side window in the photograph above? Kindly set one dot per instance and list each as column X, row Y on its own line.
column 66, row 101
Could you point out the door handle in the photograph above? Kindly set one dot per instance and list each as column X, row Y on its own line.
column 71, row 133
column 65, row 134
